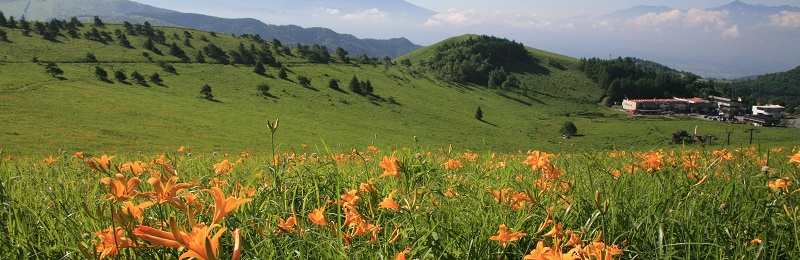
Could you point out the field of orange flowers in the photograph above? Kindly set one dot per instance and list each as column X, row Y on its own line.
column 402, row 203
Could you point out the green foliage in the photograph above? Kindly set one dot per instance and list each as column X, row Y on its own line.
column 259, row 68
column 472, row 60
column 120, row 76
column 341, row 53
column 304, row 81
column 622, row 78
column 760, row 91
column 90, row 57
column 53, row 69
column 282, row 73
column 98, row 22
column 156, row 79
column 479, row 114
column 100, row 73
column 138, row 78
column 568, row 128
column 264, row 89
column 205, row 92
column 333, row 84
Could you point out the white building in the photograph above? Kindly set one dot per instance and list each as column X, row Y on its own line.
column 774, row 111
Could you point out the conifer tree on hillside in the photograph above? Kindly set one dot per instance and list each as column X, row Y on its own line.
column 205, row 92
column 100, row 73
column 282, row 74
column 120, row 76
column 155, row 78
column 3, row 21
column 3, row 35
column 53, row 69
column 479, row 114
column 138, row 78
column 259, row 68
column 98, row 22
column 355, row 85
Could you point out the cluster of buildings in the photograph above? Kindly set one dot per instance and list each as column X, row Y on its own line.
column 761, row 115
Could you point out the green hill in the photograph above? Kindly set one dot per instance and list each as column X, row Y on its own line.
column 43, row 113
column 123, row 10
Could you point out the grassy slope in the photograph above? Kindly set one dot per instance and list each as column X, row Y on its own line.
column 42, row 114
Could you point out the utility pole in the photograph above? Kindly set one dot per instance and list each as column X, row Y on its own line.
column 751, row 130
column 729, row 135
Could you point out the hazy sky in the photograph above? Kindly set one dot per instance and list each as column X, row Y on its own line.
column 565, row 8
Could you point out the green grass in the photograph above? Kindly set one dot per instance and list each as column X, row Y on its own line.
column 77, row 112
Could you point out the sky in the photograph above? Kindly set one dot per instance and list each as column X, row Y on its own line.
column 568, row 8
column 685, row 36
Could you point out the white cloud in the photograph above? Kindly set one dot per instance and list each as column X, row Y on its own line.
column 697, row 17
column 654, row 19
column 567, row 26
column 332, row 11
column 732, row 32
column 475, row 17
column 373, row 14
column 786, row 19
column 604, row 24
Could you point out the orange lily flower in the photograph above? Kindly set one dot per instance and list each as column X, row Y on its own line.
column 223, row 167
column 538, row 160
column 779, row 183
column 453, row 164
column 237, row 244
column 350, row 197
column 557, row 231
column 318, row 216
column 137, row 167
column 197, row 241
column 50, row 160
column 794, row 158
column 121, row 188
column 390, row 166
column 540, row 253
column 224, row 206
column 111, row 242
column 402, row 255
column 367, row 186
column 166, row 194
column 134, row 211
column 601, row 251
column 505, row 235
column 182, row 149
column 287, row 225
column 389, row 203
column 104, row 160
column 79, row 155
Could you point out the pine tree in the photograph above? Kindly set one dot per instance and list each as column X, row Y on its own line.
column 3, row 21
column 98, row 22
column 333, row 84
column 155, row 78
column 259, row 68
column 479, row 114
column 53, row 69
column 205, row 92
column 120, row 76
column 136, row 76
column 282, row 74
column 355, row 86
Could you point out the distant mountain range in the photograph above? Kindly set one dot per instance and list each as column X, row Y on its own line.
column 123, row 10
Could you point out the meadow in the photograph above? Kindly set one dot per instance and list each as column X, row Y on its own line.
column 94, row 168
column 314, row 202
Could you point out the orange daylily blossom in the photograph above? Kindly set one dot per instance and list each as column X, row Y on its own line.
column 224, row 206
column 318, row 216
column 223, row 167
column 182, row 149
column 79, row 155
column 755, row 241
column 350, row 197
column 389, row 203
column 538, row 160
column 287, row 225
column 601, row 251
column 390, row 166
column 134, row 211
column 104, row 160
column 166, row 193
column 50, row 160
column 121, row 187
column 574, row 239
column 557, row 231
column 505, row 235
column 453, row 164
column 794, row 158
column 402, row 255
column 779, row 183
column 540, row 253
column 137, row 167
column 237, row 244
column 197, row 242
column 111, row 242
column 367, row 186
